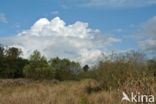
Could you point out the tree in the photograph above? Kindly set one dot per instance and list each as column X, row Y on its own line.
column 1, row 60
column 13, row 52
column 85, row 68
column 65, row 69
column 38, row 67
column 1, row 51
column 11, row 64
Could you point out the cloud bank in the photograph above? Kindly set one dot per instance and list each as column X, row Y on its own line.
column 148, row 43
column 54, row 38
column 115, row 3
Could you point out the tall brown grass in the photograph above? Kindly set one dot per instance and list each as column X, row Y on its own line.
column 21, row 91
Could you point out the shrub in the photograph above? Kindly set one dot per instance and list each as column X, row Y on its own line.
column 114, row 72
column 152, row 67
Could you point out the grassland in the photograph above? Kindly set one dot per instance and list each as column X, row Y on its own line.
column 22, row 91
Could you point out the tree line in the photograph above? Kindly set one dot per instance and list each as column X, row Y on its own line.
column 12, row 65
column 110, row 72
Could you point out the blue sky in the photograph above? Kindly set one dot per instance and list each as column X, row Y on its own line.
column 121, row 19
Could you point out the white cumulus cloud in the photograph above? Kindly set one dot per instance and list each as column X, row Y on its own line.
column 54, row 38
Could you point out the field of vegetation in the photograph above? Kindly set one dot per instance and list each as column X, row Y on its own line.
column 22, row 91
column 61, row 81
column 53, row 92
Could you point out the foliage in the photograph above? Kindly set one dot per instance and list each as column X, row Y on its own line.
column 38, row 67
column 152, row 66
column 13, row 52
column 122, row 72
column 11, row 64
column 113, row 72
column 90, row 74
column 65, row 69
column 85, row 68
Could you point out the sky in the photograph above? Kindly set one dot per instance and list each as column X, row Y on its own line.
column 81, row 30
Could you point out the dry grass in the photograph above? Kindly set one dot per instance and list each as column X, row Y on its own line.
column 53, row 92
column 49, row 92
